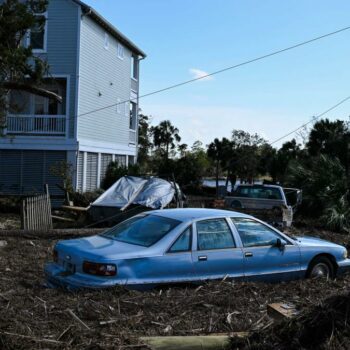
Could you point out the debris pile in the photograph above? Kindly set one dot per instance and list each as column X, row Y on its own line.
column 35, row 317
column 322, row 326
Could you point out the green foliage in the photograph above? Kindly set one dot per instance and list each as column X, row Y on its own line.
column 322, row 180
column 145, row 143
column 115, row 172
column 277, row 163
column 337, row 216
column 17, row 63
column 165, row 137
column 331, row 138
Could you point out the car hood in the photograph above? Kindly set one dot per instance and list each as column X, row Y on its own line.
column 313, row 241
column 99, row 247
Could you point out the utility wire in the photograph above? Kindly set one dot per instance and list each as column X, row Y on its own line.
column 221, row 70
column 311, row 121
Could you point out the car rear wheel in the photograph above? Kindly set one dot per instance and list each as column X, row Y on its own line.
column 321, row 267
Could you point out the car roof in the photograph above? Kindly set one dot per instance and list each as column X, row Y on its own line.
column 260, row 186
column 185, row 214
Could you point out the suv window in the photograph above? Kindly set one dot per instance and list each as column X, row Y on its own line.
column 259, row 192
column 214, row 234
column 183, row 243
column 255, row 234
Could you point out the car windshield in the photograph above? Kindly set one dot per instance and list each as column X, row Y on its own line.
column 143, row 230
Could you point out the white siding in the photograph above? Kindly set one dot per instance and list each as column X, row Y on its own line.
column 91, row 171
column 104, row 78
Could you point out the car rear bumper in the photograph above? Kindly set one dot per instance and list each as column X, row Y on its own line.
column 56, row 276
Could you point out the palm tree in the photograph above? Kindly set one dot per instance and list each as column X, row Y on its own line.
column 165, row 137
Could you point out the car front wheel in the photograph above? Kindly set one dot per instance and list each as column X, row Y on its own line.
column 321, row 267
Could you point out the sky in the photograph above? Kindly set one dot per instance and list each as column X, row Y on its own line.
column 186, row 38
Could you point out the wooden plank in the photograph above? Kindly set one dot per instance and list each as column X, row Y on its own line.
column 48, row 201
column 208, row 342
column 280, row 311
column 78, row 209
column 23, row 214
column 60, row 218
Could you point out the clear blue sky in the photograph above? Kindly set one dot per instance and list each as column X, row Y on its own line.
column 270, row 97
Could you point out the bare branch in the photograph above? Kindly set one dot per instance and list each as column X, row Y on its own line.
column 32, row 89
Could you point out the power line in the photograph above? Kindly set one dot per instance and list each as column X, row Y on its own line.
column 311, row 121
column 221, row 70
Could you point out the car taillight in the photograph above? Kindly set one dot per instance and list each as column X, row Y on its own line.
column 99, row 269
column 55, row 256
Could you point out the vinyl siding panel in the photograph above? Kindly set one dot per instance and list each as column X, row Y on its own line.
column 26, row 172
column 80, row 170
column 62, row 48
column 104, row 79
column 91, row 171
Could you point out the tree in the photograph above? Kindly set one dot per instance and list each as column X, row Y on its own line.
column 280, row 160
column 244, row 161
column 332, row 139
column 145, row 142
column 20, row 70
column 165, row 137
column 182, row 148
column 219, row 151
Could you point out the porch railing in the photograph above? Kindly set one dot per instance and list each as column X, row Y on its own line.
column 36, row 125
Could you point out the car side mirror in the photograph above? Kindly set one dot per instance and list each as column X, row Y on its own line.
column 279, row 244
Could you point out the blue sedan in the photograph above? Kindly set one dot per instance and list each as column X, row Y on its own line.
column 190, row 245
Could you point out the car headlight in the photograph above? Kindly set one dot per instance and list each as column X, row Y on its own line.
column 345, row 253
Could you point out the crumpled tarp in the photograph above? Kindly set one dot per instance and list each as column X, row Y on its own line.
column 153, row 193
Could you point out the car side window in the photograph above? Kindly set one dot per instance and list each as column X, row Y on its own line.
column 255, row 234
column 183, row 242
column 214, row 234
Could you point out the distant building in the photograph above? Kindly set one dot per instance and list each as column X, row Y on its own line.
column 93, row 66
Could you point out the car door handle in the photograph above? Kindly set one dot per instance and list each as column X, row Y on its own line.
column 202, row 258
column 248, row 254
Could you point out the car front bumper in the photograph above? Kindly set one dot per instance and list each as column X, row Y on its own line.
column 343, row 266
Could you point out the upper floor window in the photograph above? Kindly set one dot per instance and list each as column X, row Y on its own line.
column 106, row 42
column 23, row 103
column 120, row 51
column 38, row 34
column 133, row 115
column 134, row 67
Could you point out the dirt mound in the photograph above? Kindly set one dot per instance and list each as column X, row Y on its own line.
column 324, row 326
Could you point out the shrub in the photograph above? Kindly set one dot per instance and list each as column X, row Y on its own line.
column 337, row 215
column 115, row 172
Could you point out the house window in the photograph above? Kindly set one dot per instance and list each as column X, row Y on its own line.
column 38, row 34
column 133, row 116
column 23, row 103
column 106, row 44
column 120, row 51
column 134, row 67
